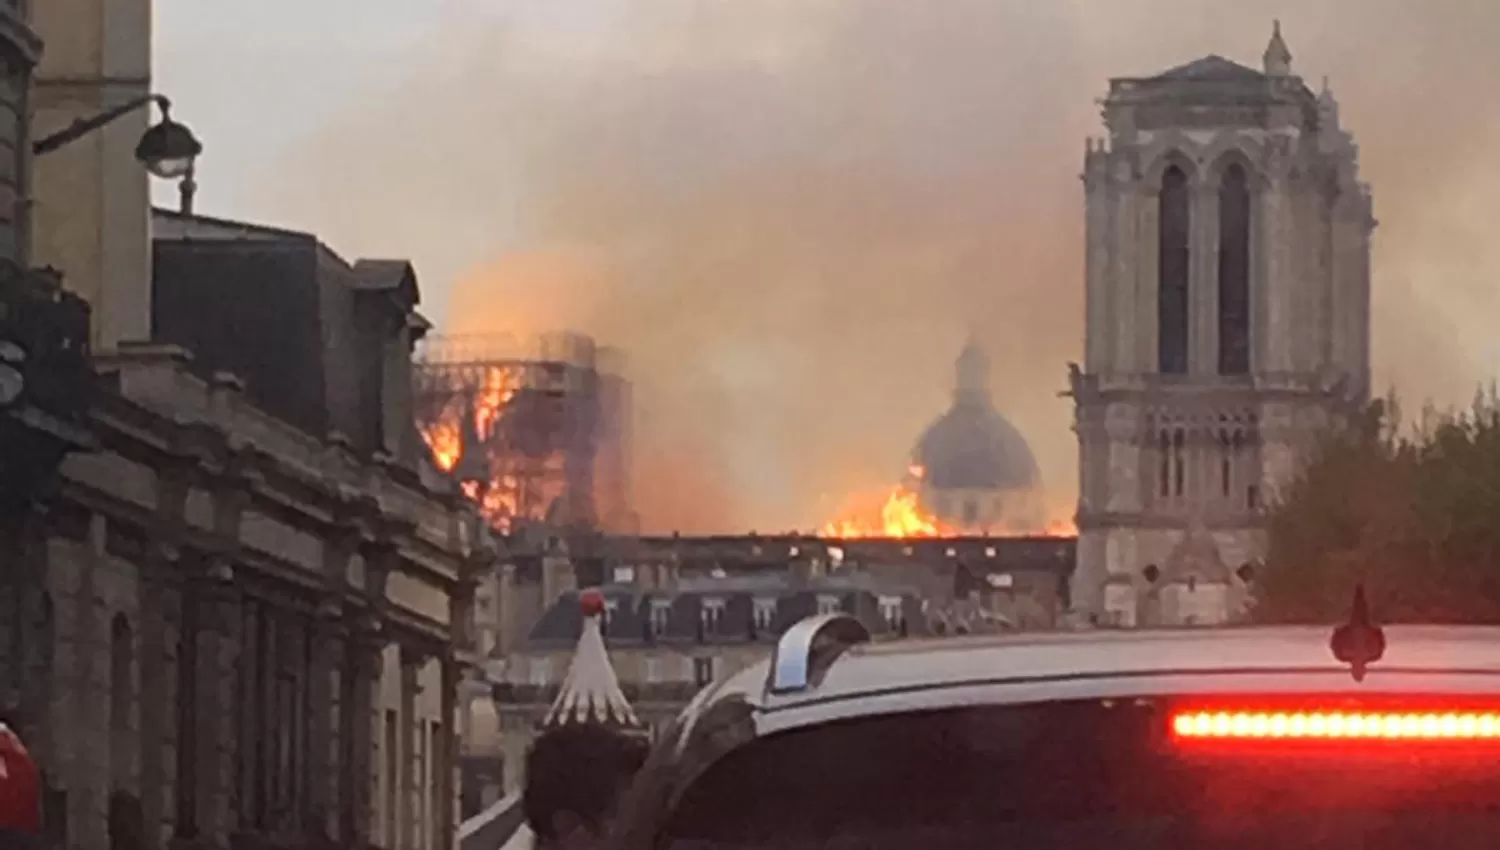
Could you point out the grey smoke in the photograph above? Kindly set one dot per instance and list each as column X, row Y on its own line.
column 791, row 212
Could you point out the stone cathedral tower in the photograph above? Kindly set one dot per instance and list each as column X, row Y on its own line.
column 1228, row 324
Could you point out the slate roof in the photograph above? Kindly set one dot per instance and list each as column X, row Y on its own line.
column 1211, row 67
column 683, row 614
column 394, row 276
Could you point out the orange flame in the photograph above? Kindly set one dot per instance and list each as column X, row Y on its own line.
column 444, row 439
column 496, row 391
column 497, row 497
column 1060, row 528
column 899, row 516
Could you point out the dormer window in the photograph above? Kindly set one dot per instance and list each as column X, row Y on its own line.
column 828, row 604
column 892, row 611
column 765, row 613
column 661, row 616
column 712, row 613
column 540, row 670
column 704, row 671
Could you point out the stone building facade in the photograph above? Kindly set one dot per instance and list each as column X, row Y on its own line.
column 220, row 618
column 1227, row 326
column 21, row 48
column 219, row 623
column 90, row 201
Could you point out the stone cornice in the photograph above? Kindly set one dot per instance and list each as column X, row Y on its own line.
column 1105, row 520
column 192, row 439
column 1265, row 386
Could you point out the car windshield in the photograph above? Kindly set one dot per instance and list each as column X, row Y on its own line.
column 1085, row 775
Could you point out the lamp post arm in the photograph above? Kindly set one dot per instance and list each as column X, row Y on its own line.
column 83, row 126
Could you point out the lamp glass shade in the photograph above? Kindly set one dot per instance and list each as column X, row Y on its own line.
column 168, row 149
column 169, row 169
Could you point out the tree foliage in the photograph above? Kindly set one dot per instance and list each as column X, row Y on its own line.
column 1412, row 513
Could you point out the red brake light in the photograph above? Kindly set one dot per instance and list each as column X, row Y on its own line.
column 1331, row 725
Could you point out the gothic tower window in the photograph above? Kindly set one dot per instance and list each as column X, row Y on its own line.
column 1234, row 272
column 1179, row 457
column 1165, row 450
column 1175, row 220
column 1226, row 461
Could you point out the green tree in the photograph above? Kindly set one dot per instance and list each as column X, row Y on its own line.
column 1414, row 516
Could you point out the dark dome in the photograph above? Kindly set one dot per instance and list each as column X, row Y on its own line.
column 973, row 447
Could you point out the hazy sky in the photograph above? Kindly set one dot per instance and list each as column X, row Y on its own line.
column 790, row 212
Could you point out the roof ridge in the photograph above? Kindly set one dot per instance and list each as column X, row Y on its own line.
column 1207, row 67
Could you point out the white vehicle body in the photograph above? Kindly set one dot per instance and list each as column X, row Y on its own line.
column 825, row 674
column 869, row 679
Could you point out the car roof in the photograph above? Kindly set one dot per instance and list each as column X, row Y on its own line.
column 1046, row 655
column 1049, row 662
column 825, row 670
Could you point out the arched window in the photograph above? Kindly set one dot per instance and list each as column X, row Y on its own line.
column 1179, row 461
column 1234, row 272
column 1164, row 448
column 1174, row 225
column 1226, row 462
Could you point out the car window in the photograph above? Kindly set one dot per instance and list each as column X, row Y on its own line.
column 1081, row 775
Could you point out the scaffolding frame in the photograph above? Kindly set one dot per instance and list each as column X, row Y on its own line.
column 537, row 424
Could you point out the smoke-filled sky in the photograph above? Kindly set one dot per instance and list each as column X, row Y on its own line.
column 790, row 213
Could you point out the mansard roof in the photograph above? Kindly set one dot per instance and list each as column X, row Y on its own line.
column 676, row 614
column 397, row 277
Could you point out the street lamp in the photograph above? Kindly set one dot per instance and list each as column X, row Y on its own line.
column 167, row 149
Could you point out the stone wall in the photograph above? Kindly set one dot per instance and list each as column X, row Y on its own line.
column 91, row 199
column 204, row 636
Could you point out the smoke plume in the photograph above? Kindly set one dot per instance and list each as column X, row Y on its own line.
column 790, row 213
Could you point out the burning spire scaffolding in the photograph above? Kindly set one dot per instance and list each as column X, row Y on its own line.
column 536, row 434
